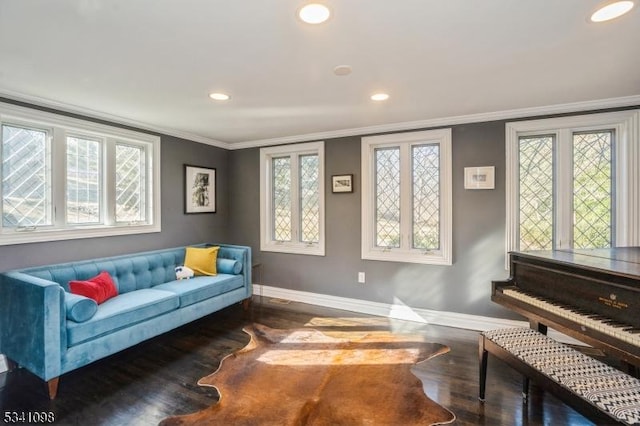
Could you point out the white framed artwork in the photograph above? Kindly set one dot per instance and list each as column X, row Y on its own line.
column 479, row 177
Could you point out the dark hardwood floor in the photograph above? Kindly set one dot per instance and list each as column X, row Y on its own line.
column 156, row 379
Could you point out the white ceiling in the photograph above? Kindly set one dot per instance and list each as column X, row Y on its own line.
column 153, row 62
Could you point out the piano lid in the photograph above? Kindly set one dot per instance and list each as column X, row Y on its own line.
column 623, row 261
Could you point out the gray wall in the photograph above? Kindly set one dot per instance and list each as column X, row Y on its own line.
column 464, row 287
column 478, row 233
column 177, row 228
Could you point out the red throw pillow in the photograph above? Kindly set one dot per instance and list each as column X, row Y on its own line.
column 99, row 288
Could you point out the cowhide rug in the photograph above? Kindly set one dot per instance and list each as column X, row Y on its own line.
column 305, row 377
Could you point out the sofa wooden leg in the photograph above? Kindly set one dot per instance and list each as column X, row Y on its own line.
column 53, row 387
column 246, row 303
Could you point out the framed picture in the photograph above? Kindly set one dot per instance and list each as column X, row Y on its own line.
column 479, row 177
column 342, row 183
column 199, row 189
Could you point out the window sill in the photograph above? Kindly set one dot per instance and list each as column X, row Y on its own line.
column 44, row 235
column 403, row 256
column 315, row 250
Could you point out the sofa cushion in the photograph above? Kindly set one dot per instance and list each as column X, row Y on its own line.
column 201, row 260
column 229, row 266
column 129, row 272
column 99, row 288
column 79, row 308
column 197, row 289
column 122, row 311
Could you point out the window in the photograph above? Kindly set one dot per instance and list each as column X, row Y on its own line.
column 66, row 178
column 292, row 198
column 406, row 200
column 130, row 183
column 84, row 170
column 26, row 177
column 572, row 182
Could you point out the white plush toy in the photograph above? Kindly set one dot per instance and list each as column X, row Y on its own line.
column 184, row 272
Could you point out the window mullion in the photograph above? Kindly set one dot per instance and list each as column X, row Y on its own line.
column 563, row 189
column 108, row 213
column 627, row 183
column 58, row 182
column 295, row 199
column 149, row 182
column 406, row 197
column 446, row 197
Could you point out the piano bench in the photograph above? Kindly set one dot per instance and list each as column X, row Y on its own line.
column 593, row 388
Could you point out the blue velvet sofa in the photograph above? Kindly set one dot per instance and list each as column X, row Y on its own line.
column 49, row 331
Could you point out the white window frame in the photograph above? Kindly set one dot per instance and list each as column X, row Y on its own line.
column 58, row 128
column 295, row 246
column 405, row 253
column 626, row 125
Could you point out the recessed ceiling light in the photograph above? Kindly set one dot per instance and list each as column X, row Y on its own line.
column 219, row 96
column 612, row 11
column 314, row 13
column 379, row 97
column 342, row 70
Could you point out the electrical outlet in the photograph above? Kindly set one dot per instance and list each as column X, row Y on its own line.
column 361, row 277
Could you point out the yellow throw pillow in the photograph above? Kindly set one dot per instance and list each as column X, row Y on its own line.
column 202, row 260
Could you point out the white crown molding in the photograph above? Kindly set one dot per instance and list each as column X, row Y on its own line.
column 358, row 131
column 74, row 109
column 402, row 312
column 448, row 121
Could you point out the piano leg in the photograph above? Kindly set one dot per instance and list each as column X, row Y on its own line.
column 538, row 326
column 630, row 369
column 482, row 358
column 525, row 389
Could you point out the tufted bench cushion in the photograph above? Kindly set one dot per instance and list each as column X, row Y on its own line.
column 609, row 390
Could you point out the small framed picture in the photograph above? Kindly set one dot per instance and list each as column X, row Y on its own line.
column 199, row 189
column 479, row 177
column 341, row 183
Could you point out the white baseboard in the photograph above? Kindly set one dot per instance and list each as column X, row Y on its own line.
column 426, row 316
column 403, row 312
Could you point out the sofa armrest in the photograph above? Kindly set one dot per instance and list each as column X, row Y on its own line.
column 32, row 323
column 242, row 254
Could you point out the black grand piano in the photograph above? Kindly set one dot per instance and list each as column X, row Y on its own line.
column 592, row 295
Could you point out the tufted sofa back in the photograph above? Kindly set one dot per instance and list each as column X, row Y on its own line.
column 129, row 272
